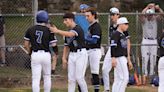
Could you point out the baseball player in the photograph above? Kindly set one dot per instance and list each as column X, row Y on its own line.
column 74, row 46
column 149, row 27
column 119, row 55
column 107, row 64
column 161, row 63
column 93, row 45
column 40, row 38
column 81, row 20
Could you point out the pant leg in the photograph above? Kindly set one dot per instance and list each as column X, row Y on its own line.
column 36, row 72
column 106, row 68
column 145, row 57
column 153, row 56
column 161, row 74
column 122, row 75
column 94, row 60
column 46, row 64
column 71, row 72
column 81, row 65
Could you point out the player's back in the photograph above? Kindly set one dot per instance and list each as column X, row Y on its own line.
column 39, row 37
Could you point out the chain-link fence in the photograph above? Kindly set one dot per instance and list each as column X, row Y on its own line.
column 18, row 62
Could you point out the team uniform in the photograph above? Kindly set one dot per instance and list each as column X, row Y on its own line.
column 40, row 39
column 149, row 38
column 94, row 52
column 77, row 60
column 119, row 51
column 161, row 64
column 107, row 64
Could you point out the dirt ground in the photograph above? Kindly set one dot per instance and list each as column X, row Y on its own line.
column 60, row 82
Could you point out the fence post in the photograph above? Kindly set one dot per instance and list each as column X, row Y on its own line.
column 34, row 9
column 108, row 38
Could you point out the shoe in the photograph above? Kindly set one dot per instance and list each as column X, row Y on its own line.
column 3, row 64
column 53, row 72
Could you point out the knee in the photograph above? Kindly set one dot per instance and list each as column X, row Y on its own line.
column 47, row 76
column 80, row 80
column 70, row 81
column 124, row 80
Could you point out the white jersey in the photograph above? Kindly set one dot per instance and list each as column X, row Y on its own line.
column 149, row 28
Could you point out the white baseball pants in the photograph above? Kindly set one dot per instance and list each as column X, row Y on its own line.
column 148, row 52
column 106, row 68
column 161, row 74
column 77, row 64
column 41, row 61
column 121, row 75
column 94, row 60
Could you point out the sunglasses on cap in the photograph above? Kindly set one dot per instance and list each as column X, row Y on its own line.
column 126, row 23
column 112, row 14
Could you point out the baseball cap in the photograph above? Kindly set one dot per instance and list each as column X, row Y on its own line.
column 83, row 6
column 122, row 20
column 150, row 11
column 114, row 10
column 69, row 15
column 42, row 16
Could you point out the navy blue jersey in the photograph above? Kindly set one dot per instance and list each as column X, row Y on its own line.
column 76, row 42
column 161, row 45
column 95, row 31
column 40, row 37
column 118, row 44
column 2, row 22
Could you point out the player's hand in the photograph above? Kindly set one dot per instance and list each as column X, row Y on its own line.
column 151, row 5
column 64, row 63
column 114, row 62
column 157, row 7
column 130, row 65
column 53, row 29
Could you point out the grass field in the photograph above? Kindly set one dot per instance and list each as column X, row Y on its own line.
column 129, row 89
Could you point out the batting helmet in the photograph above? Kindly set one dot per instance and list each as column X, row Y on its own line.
column 42, row 16
column 155, row 81
column 131, row 80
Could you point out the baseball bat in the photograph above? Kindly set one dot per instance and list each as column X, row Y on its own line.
column 139, row 71
column 135, row 71
column 23, row 49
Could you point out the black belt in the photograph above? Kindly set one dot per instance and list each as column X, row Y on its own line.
column 92, row 48
column 76, row 50
column 40, row 50
column 150, row 38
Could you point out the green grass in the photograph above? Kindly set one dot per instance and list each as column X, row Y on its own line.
column 129, row 89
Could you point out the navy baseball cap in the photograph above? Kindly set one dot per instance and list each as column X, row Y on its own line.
column 83, row 6
column 42, row 17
